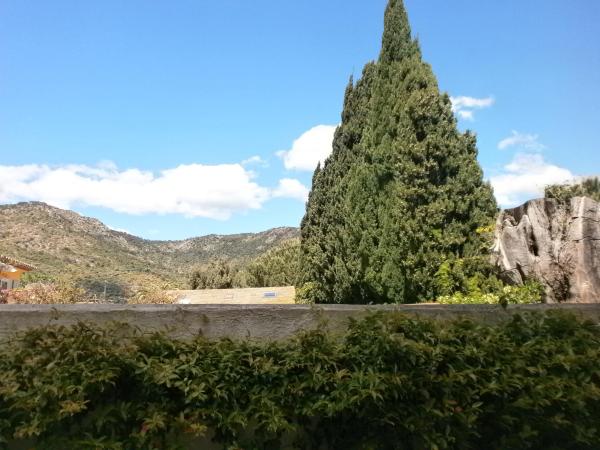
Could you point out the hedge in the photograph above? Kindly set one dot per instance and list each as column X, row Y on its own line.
column 391, row 382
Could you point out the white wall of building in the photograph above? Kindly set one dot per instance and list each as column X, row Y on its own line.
column 5, row 283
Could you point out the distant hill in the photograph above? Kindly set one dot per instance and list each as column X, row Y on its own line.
column 62, row 243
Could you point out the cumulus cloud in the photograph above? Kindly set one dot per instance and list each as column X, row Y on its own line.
column 193, row 190
column 291, row 188
column 522, row 140
column 525, row 178
column 465, row 106
column 308, row 150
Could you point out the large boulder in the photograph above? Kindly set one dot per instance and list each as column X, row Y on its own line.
column 554, row 242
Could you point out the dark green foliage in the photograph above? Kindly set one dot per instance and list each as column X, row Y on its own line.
column 589, row 187
column 277, row 267
column 392, row 382
column 401, row 193
column 218, row 274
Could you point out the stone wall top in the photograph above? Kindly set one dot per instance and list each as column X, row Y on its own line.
column 260, row 322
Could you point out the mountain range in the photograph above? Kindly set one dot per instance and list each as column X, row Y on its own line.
column 65, row 245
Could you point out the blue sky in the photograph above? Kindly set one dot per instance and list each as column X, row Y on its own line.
column 176, row 118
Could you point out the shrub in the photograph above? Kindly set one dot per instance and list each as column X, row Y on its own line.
column 36, row 277
column 306, row 293
column 531, row 292
column 468, row 276
column 46, row 293
column 218, row 274
column 279, row 266
column 390, row 382
column 588, row 187
column 152, row 296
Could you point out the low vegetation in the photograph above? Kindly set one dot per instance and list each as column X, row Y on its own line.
column 152, row 296
column 588, row 187
column 532, row 292
column 45, row 292
column 530, row 383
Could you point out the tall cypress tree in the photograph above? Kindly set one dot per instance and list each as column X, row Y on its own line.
column 402, row 192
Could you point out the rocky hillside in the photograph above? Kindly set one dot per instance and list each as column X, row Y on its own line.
column 64, row 243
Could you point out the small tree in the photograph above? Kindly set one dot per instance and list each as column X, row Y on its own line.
column 218, row 274
column 277, row 267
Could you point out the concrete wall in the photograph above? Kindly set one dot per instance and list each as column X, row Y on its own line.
column 264, row 322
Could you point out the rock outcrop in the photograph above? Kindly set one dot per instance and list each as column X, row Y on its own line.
column 556, row 243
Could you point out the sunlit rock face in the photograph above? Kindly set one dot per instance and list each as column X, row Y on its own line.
column 556, row 243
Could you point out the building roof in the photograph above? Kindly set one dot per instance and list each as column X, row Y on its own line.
column 7, row 268
column 16, row 263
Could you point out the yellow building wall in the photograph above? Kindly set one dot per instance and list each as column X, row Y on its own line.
column 246, row 296
column 12, row 275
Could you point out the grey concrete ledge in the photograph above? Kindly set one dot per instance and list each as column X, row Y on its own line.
column 261, row 322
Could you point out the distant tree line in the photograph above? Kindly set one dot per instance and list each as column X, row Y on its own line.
column 276, row 267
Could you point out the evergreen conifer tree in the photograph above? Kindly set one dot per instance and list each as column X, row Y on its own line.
column 401, row 194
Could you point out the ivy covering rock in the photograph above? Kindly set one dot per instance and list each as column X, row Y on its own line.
column 391, row 382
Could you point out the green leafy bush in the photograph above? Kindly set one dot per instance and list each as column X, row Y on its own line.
column 531, row 292
column 391, row 382
column 306, row 293
column 467, row 276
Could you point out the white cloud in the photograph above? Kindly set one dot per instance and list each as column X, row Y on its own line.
column 194, row 190
column 308, row 150
column 291, row 188
column 525, row 178
column 471, row 102
column 526, row 141
column 467, row 115
column 465, row 106
column 254, row 160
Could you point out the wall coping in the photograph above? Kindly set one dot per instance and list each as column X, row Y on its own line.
column 259, row 322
